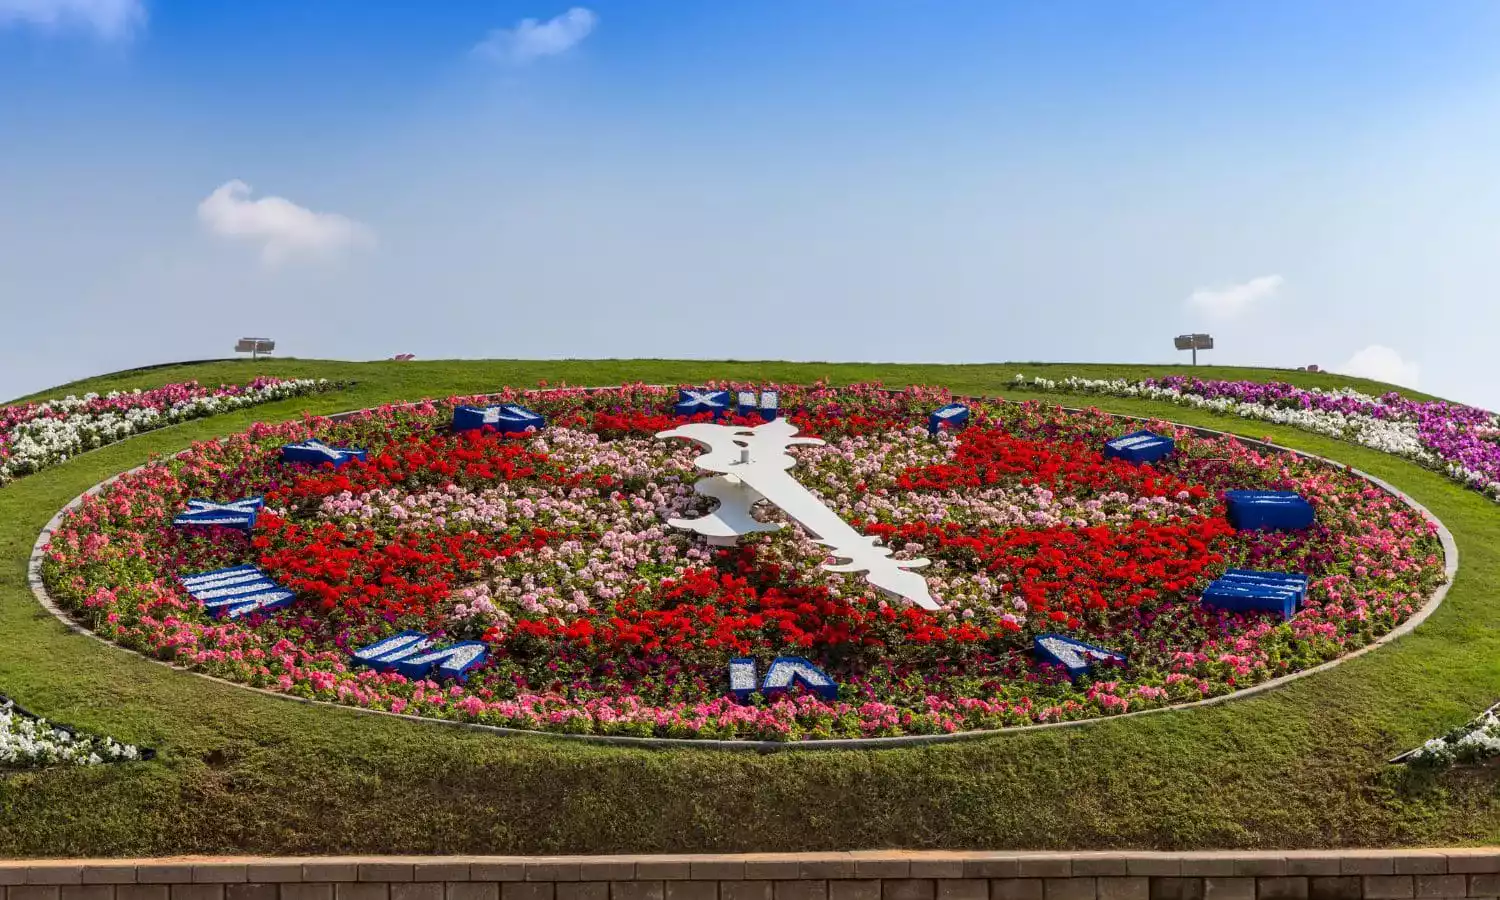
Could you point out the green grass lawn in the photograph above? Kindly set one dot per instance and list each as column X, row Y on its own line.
column 239, row 772
column 448, row 377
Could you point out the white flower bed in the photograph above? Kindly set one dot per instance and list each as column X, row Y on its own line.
column 61, row 429
column 26, row 742
column 1471, row 743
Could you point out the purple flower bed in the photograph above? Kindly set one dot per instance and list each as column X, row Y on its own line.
column 1461, row 441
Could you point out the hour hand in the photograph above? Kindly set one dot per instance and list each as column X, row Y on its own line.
column 732, row 518
column 889, row 575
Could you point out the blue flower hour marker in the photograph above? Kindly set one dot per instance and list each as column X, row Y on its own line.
column 507, row 418
column 316, row 452
column 236, row 591
column 1241, row 590
column 453, row 661
column 691, row 402
column 235, row 514
column 1139, row 447
column 954, row 415
column 1268, row 510
column 742, row 678
column 785, row 671
column 1074, row 656
column 383, row 655
column 767, row 404
column 415, row 655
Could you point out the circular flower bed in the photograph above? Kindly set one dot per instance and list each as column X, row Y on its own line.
column 553, row 549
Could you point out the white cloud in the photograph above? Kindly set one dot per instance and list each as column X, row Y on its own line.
column 1228, row 302
column 1382, row 364
column 281, row 228
column 111, row 20
column 531, row 39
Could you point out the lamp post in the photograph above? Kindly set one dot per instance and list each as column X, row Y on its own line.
column 1194, row 342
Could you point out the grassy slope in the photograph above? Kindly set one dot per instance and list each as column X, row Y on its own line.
column 447, row 375
column 1302, row 766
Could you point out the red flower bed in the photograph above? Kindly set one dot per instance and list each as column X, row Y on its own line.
column 405, row 574
column 987, row 457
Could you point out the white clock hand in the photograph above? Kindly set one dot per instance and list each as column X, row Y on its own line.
column 757, row 458
column 732, row 518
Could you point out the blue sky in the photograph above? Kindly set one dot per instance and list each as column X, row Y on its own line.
column 873, row 180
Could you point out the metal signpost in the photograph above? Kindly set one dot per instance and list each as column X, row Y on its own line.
column 1194, row 342
column 254, row 346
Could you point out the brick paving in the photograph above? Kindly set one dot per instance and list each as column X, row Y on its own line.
column 864, row 875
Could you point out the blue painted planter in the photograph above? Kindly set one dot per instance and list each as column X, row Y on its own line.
column 785, row 671
column 236, row 591
column 954, row 415
column 1076, row 657
column 1140, row 447
column 415, row 655
column 1242, row 590
column 1268, row 511
column 767, row 404
column 316, row 453
column 507, row 418
column 235, row 514
column 696, row 402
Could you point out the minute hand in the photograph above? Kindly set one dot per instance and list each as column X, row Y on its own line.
column 830, row 530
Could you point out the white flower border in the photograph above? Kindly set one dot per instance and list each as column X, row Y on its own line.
column 1472, row 742
column 30, row 742
column 47, row 441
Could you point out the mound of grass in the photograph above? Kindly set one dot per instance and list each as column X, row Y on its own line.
column 242, row 773
column 449, row 377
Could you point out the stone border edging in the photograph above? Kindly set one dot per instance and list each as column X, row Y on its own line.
column 1450, row 554
column 858, row 875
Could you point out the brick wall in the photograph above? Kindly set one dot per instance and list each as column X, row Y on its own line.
column 875, row 875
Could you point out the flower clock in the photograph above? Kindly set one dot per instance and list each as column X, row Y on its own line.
column 788, row 563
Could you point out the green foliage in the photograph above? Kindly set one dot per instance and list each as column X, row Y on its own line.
column 245, row 773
